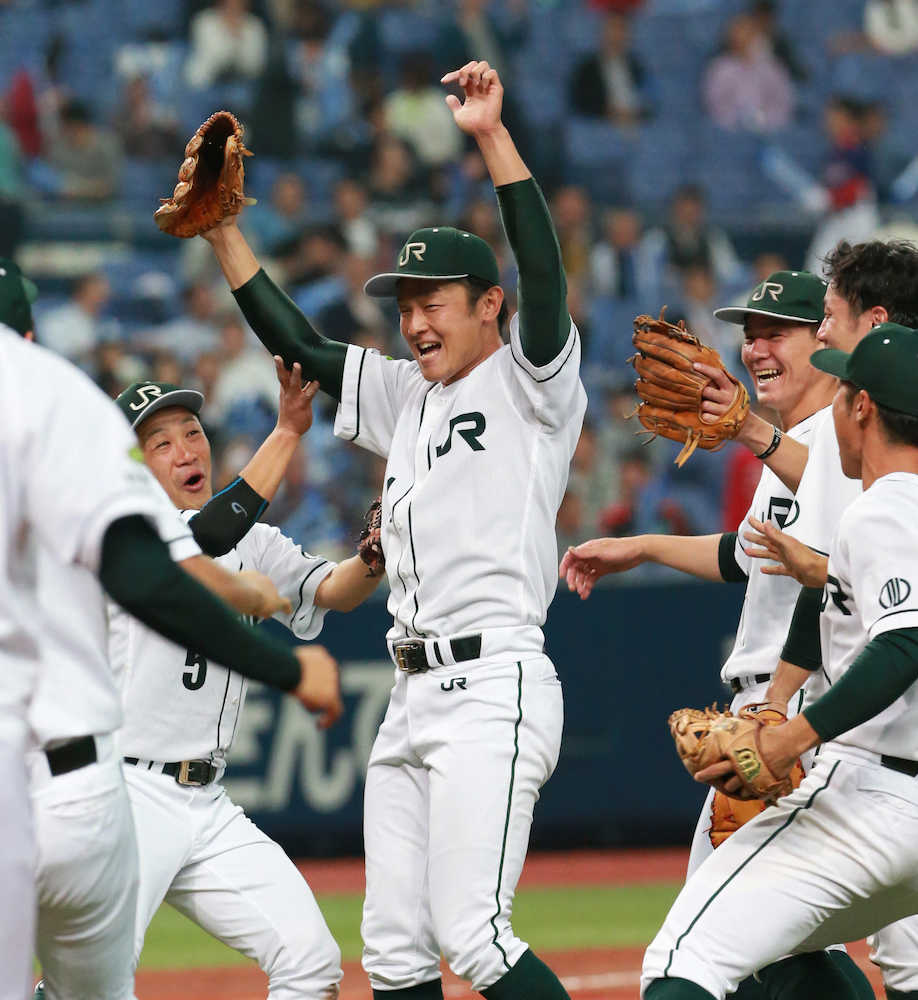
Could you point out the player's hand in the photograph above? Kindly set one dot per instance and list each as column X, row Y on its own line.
column 718, row 394
column 790, row 556
column 294, row 412
column 320, row 687
column 584, row 564
column 780, row 747
column 484, row 96
column 265, row 599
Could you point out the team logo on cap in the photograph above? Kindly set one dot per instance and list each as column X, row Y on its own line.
column 409, row 250
column 772, row 288
column 147, row 394
column 894, row 592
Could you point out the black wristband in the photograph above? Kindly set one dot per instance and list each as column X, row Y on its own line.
column 227, row 518
column 775, row 441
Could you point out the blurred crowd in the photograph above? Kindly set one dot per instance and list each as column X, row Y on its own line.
column 687, row 149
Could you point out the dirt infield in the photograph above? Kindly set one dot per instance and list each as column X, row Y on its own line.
column 596, row 974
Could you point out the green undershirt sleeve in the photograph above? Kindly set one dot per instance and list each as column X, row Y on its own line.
column 284, row 330
column 138, row 574
column 886, row 668
column 802, row 646
column 730, row 569
column 542, row 294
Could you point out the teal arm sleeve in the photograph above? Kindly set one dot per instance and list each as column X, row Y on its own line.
column 730, row 569
column 885, row 670
column 544, row 320
column 137, row 572
column 284, row 330
column 227, row 517
column 802, row 647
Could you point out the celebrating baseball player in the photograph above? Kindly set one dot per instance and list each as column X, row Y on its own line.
column 197, row 850
column 779, row 323
column 836, row 858
column 478, row 436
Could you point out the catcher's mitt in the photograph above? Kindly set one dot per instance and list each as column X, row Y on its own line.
column 670, row 388
column 369, row 542
column 728, row 814
column 210, row 186
column 706, row 737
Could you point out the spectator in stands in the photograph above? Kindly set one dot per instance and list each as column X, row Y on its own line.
column 614, row 258
column 354, row 311
column 480, row 217
column 314, row 269
column 747, row 88
column 572, row 213
column 698, row 300
column 613, row 83
column 399, row 201
column 765, row 13
column 594, row 477
column 147, row 130
column 274, row 222
column 228, row 43
column 686, row 239
column 353, row 218
column 12, row 214
column 192, row 334
column 417, row 113
column 246, row 371
column 571, row 523
column 75, row 328
column 85, row 157
column 22, row 113
column 471, row 31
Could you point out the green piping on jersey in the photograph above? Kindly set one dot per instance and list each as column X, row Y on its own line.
column 503, row 844
column 790, row 819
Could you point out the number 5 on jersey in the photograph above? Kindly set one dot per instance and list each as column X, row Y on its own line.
column 194, row 679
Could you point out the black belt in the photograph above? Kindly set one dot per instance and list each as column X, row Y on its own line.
column 186, row 772
column 411, row 654
column 736, row 685
column 73, row 755
column 909, row 767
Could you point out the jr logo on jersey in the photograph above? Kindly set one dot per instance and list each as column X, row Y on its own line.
column 470, row 427
column 839, row 597
column 783, row 511
column 147, row 394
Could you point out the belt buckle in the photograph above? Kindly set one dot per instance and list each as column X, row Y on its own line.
column 186, row 776
column 406, row 656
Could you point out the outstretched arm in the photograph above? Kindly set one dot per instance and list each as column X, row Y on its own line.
column 544, row 319
column 346, row 586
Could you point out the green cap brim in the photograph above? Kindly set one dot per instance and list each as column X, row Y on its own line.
column 384, row 286
column 738, row 314
column 831, row 360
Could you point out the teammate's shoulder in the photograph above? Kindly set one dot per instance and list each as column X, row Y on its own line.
column 806, row 428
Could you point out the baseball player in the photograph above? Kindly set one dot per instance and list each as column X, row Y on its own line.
column 87, row 498
column 197, row 850
column 87, row 867
column 838, row 857
column 869, row 283
column 779, row 323
column 478, row 436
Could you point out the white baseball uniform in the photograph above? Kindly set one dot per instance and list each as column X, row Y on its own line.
column 768, row 607
column 823, row 494
column 87, row 852
column 838, row 857
column 64, row 481
column 475, row 474
column 197, row 850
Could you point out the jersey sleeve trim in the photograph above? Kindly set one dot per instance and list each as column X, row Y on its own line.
column 347, row 422
column 183, row 548
column 317, row 566
column 893, row 621
column 545, row 372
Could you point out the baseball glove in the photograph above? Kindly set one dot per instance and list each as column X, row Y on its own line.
column 670, row 388
column 210, row 186
column 706, row 737
column 728, row 814
column 369, row 542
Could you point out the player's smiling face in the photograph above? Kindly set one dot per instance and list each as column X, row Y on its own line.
column 776, row 354
column 447, row 335
column 177, row 452
column 842, row 327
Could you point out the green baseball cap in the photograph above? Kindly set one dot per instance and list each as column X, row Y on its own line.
column 792, row 295
column 439, row 254
column 884, row 364
column 17, row 294
column 143, row 399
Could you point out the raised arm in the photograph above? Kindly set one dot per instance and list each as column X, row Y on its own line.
column 544, row 319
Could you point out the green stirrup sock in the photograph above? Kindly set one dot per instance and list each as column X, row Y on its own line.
column 861, row 984
column 423, row 991
column 529, row 979
column 676, row 989
column 811, row 976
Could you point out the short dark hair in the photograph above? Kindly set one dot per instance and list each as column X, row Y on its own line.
column 475, row 288
column 877, row 273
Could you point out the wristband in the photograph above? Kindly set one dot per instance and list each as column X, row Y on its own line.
column 775, row 441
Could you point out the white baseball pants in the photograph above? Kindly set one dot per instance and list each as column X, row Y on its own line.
column 452, row 781
column 833, row 861
column 202, row 854
column 87, row 878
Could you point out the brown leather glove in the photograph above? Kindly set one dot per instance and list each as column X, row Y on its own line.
column 369, row 542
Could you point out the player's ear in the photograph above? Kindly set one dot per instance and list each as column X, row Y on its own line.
column 491, row 302
column 878, row 315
